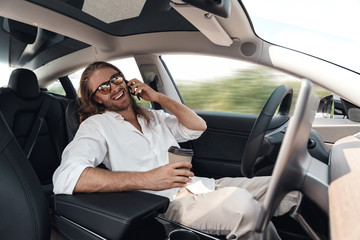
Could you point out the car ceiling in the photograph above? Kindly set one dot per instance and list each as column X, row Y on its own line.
column 119, row 18
column 31, row 46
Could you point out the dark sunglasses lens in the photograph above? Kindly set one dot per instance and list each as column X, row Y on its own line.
column 104, row 89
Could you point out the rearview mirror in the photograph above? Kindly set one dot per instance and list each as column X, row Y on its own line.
column 221, row 8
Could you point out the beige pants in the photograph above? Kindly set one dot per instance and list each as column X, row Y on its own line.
column 229, row 210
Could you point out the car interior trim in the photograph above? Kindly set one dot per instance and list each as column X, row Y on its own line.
column 164, row 22
column 206, row 23
column 61, row 221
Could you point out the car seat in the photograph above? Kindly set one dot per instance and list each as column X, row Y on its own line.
column 72, row 118
column 37, row 121
column 23, row 204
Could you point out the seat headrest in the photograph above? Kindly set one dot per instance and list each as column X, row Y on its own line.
column 24, row 83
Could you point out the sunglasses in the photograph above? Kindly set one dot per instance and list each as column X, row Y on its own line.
column 105, row 87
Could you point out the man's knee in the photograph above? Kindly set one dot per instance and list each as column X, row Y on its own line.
column 242, row 211
column 220, row 212
column 240, row 203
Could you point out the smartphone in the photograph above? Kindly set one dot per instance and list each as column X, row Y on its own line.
column 130, row 88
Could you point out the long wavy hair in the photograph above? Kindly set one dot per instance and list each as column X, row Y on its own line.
column 88, row 106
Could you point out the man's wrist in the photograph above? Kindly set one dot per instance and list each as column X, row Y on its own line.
column 161, row 98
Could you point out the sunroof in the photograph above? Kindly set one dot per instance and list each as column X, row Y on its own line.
column 121, row 17
column 113, row 10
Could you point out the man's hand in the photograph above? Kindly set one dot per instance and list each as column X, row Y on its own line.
column 186, row 116
column 143, row 90
column 173, row 175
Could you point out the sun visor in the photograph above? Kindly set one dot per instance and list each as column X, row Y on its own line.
column 204, row 21
column 21, row 31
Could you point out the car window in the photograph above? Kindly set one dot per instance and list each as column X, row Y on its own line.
column 220, row 84
column 332, row 38
column 226, row 85
column 56, row 88
column 5, row 72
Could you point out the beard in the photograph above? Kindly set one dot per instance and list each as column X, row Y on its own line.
column 115, row 106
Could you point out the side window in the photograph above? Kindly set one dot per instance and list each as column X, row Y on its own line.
column 226, row 85
column 56, row 88
column 5, row 71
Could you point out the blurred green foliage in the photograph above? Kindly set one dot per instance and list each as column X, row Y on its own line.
column 244, row 92
column 57, row 88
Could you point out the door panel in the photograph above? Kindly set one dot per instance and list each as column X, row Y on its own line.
column 219, row 150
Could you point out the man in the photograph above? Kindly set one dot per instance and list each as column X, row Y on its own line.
column 132, row 143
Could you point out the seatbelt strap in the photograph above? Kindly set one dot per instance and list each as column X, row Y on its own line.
column 34, row 132
column 153, row 84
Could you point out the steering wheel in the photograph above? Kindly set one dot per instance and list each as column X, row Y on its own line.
column 282, row 96
column 295, row 169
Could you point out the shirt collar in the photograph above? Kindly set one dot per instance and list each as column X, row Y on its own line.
column 115, row 114
column 118, row 115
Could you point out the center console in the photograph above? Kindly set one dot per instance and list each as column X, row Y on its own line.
column 129, row 215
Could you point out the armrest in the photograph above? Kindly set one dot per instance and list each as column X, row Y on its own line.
column 108, row 214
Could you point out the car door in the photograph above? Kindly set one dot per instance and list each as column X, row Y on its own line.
column 219, row 151
column 228, row 95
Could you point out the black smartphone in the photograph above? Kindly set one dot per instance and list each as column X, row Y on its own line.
column 130, row 88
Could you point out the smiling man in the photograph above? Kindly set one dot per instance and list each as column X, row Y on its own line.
column 132, row 142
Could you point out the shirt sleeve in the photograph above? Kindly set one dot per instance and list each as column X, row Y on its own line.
column 180, row 132
column 88, row 149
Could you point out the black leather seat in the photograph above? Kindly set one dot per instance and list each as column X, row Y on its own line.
column 23, row 204
column 72, row 118
column 20, row 105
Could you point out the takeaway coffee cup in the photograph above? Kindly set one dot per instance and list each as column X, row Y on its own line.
column 182, row 234
column 177, row 154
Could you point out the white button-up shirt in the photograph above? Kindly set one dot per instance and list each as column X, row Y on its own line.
column 107, row 138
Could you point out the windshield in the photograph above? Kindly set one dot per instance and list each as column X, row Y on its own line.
column 325, row 29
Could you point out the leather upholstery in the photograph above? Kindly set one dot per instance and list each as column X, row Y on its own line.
column 23, row 205
column 24, row 83
column 20, row 105
column 72, row 118
column 110, row 215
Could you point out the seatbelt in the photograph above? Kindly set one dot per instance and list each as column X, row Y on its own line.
column 34, row 132
column 153, row 84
